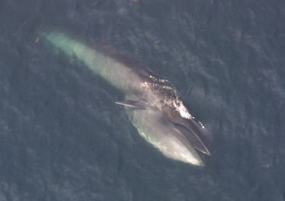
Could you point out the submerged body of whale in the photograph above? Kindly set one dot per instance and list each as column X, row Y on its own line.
column 151, row 104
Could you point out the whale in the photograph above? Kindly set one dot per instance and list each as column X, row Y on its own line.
column 151, row 104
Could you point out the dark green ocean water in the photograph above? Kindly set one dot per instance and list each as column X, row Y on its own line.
column 63, row 138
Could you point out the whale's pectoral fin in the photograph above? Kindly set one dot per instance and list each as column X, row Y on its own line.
column 130, row 103
column 194, row 139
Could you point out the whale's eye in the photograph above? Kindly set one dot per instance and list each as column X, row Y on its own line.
column 174, row 113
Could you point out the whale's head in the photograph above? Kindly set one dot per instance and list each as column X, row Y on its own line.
column 168, row 129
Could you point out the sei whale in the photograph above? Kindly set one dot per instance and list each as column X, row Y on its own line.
column 152, row 104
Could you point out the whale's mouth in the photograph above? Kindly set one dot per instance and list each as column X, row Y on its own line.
column 193, row 135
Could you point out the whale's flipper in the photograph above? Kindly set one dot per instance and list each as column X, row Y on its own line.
column 130, row 103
